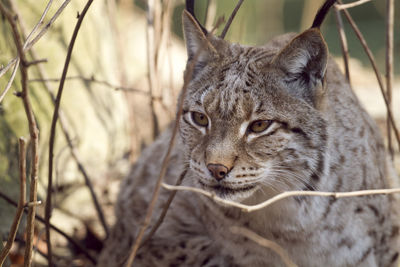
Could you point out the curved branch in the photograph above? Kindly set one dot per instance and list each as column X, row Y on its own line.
column 53, row 127
column 251, row 208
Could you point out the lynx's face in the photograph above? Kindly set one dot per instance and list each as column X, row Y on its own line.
column 250, row 116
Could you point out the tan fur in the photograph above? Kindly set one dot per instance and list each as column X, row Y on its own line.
column 320, row 138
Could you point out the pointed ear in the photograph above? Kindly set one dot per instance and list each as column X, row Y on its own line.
column 197, row 43
column 304, row 62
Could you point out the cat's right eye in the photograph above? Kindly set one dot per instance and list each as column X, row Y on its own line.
column 199, row 118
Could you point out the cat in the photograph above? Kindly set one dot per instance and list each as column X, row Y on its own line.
column 258, row 121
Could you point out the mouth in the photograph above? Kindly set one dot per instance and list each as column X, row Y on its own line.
column 225, row 191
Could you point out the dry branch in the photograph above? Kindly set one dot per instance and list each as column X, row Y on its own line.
column 10, row 82
column 21, row 202
column 151, row 63
column 53, row 127
column 34, row 133
column 79, row 247
column 229, row 22
column 343, row 43
column 350, row 5
column 251, row 208
column 378, row 76
column 94, row 80
column 264, row 243
column 40, row 23
column 389, row 67
column 29, row 45
column 63, row 123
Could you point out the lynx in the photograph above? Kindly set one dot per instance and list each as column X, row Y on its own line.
column 258, row 121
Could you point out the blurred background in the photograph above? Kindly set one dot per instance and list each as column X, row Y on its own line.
column 121, row 91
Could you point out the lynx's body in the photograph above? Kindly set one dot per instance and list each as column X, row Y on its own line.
column 259, row 121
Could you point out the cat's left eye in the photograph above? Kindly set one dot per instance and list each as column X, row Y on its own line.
column 259, row 126
column 199, row 118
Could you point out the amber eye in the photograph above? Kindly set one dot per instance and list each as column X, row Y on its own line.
column 200, row 119
column 259, row 126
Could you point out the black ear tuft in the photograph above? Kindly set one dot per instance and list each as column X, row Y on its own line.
column 321, row 14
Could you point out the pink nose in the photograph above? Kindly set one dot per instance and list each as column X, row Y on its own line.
column 218, row 171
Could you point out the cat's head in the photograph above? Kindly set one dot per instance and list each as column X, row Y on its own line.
column 252, row 116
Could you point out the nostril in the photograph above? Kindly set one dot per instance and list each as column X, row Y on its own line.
column 218, row 171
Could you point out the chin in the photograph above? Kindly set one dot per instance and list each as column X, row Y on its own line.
column 228, row 193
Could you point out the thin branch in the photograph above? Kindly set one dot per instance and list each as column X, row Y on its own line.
column 264, row 243
column 35, row 62
column 251, row 208
column 34, row 134
column 389, row 67
column 343, row 43
column 21, row 202
column 378, row 76
column 229, row 22
column 73, row 242
column 74, row 151
column 10, row 82
column 165, row 209
column 37, row 37
column 350, row 5
column 40, row 23
column 151, row 63
column 53, row 128
column 94, row 80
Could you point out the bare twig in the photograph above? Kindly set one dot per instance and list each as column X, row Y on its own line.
column 37, row 203
column 73, row 242
column 250, row 208
column 378, row 76
column 165, row 209
column 40, row 23
column 389, row 66
column 17, row 59
column 10, row 82
column 206, row 13
column 74, row 151
column 53, row 127
column 350, row 5
column 229, row 22
column 264, row 243
column 343, row 43
column 151, row 63
column 34, row 134
column 35, row 62
column 29, row 45
column 21, row 202
column 94, row 80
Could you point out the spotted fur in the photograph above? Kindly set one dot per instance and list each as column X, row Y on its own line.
column 318, row 138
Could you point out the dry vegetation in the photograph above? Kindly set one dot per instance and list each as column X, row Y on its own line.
column 98, row 103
